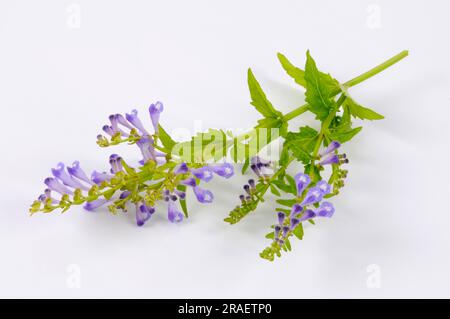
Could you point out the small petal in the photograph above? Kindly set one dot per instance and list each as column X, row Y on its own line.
column 314, row 195
column 76, row 171
column 108, row 130
column 94, row 204
column 296, row 209
column 326, row 209
column 334, row 145
column 294, row 222
column 115, row 125
column 203, row 173
column 285, row 230
column 99, row 178
column 60, row 173
column 145, row 144
column 123, row 121
column 54, row 185
column 174, row 215
column 302, row 181
column 143, row 213
column 329, row 159
column 324, row 186
column 136, row 122
column 124, row 194
column 189, row 182
column 277, row 230
column 281, row 217
column 155, row 111
column 308, row 214
column 203, row 195
column 182, row 168
column 225, row 170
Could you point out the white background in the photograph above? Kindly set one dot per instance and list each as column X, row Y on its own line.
column 59, row 83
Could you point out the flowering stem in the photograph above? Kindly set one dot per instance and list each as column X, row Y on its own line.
column 360, row 78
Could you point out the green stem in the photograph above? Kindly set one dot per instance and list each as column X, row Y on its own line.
column 325, row 125
column 379, row 68
column 360, row 78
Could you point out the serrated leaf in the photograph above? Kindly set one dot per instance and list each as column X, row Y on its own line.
column 320, row 88
column 294, row 72
column 343, row 136
column 302, row 144
column 360, row 111
column 259, row 99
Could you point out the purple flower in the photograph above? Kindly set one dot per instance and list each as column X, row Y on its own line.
column 155, row 111
column 60, row 173
column 281, row 217
column 54, row 185
column 314, row 195
column 174, row 215
column 121, row 120
column 326, row 209
column 296, row 209
column 329, row 159
column 108, row 130
column 90, row 206
column 181, row 195
column 143, row 213
column 76, row 171
column 124, row 194
column 294, row 222
column 285, row 230
column 324, row 186
column 99, row 178
column 334, row 145
column 307, row 214
column 203, row 173
column 189, row 182
column 136, row 122
column 225, row 169
column 145, row 144
column 116, row 163
column 115, row 125
column 302, row 181
column 260, row 166
column 277, row 230
column 182, row 168
column 203, row 195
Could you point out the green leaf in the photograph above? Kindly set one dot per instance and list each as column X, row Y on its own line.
column 343, row 136
column 294, row 72
column 298, row 231
column 270, row 235
column 302, row 144
column 286, row 202
column 274, row 190
column 165, row 138
column 361, row 112
column 320, row 88
column 259, row 99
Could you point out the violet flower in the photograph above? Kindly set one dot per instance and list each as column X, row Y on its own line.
column 136, row 122
column 143, row 213
column 155, row 111
column 173, row 214
column 302, row 181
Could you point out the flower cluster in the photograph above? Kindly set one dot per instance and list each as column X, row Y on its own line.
column 310, row 205
column 157, row 176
